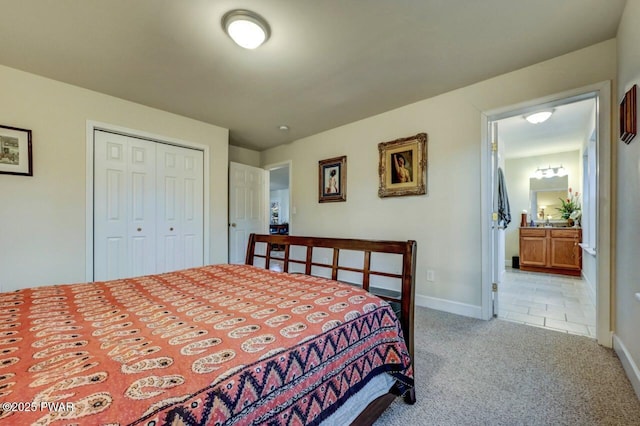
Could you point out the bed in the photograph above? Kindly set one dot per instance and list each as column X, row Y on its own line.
column 267, row 342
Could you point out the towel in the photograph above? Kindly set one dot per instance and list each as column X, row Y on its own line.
column 504, row 211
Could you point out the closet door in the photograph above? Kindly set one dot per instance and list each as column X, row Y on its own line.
column 180, row 207
column 124, row 206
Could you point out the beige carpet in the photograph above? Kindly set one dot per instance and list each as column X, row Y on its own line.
column 473, row 372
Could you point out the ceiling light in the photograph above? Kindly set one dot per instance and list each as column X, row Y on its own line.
column 246, row 28
column 283, row 127
column 561, row 171
column 538, row 117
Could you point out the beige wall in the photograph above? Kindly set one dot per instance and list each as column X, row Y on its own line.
column 244, row 156
column 446, row 222
column 42, row 218
column 627, row 209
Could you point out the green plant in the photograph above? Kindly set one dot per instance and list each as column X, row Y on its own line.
column 570, row 204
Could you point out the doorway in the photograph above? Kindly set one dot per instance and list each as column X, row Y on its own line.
column 279, row 199
column 550, row 300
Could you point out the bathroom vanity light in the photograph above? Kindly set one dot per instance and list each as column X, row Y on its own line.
column 549, row 172
column 246, row 28
column 538, row 117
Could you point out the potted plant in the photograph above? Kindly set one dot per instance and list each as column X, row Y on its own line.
column 570, row 209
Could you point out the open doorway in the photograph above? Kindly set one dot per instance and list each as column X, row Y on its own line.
column 548, row 278
column 279, row 200
column 541, row 296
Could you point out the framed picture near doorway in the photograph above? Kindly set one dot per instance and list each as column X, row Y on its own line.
column 628, row 116
column 332, row 180
column 15, row 151
column 403, row 166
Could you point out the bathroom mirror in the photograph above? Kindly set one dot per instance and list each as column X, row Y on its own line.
column 545, row 195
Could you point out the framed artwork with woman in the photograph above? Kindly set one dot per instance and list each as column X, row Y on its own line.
column 332, row 179
column 403, row 166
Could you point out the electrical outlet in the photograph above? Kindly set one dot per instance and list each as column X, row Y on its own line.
column 431, row 275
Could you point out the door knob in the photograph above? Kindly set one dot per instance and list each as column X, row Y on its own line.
column 171, row 229
column 233, row 225
column 139, row 229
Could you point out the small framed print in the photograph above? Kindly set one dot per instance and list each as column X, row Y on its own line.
column 332, row 180
column 403, row 166
column 15, row 151
column 628, row 116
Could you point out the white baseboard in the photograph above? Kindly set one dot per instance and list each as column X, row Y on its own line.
column 630, row 367
column 452, row 307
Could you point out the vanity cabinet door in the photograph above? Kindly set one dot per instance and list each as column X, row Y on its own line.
column 533, row 247
column 565, row 250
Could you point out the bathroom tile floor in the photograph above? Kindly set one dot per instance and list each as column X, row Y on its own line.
column 555, row 302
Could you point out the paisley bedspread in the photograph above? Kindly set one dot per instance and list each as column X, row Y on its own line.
column 222, row 344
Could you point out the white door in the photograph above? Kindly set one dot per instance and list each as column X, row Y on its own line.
column 148, row 207
column 497, row 225
column 180, row 208
column 124, row 206
column 248, row 205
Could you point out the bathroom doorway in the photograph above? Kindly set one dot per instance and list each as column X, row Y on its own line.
column 573, row 144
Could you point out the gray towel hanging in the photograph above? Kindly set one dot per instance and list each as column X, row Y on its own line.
column 504, row 211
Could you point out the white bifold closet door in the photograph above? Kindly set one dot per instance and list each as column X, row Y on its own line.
column 148, row 207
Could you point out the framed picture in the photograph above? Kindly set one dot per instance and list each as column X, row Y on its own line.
column 15, row 151
column 332, row 180
column 628, row 116
column 403, row 166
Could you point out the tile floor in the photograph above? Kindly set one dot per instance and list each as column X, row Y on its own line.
column 556, row 302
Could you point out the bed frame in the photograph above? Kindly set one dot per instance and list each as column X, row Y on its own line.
column 404, row 298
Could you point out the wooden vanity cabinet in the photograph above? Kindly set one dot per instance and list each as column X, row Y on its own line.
column 551, row 250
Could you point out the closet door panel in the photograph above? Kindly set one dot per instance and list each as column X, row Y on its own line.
column 193, row 208
column 168, row 175
column 110, row 206
column 124, row 206
column 180, row 210
column 141, row 207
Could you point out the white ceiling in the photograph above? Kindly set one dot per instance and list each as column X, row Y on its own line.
column 327, row 63
column 566, row 130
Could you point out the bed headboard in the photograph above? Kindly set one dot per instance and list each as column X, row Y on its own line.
column 407, row 249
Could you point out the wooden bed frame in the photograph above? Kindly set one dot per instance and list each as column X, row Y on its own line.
column 404, row 298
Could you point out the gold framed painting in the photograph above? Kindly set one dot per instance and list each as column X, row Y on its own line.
column 332, row 180
column 15, row 151
column 403, row 166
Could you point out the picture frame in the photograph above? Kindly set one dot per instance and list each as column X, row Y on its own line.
column 628, row 116
column 403, row 166
column 15, row 151
column 332, row 180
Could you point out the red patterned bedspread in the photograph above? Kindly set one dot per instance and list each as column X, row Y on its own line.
column 223, row 344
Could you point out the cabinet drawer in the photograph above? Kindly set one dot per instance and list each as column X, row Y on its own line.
column 565, row 233
column 532, row 232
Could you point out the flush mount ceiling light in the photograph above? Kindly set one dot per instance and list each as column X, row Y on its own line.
column 538, row 117
column 246, row 28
